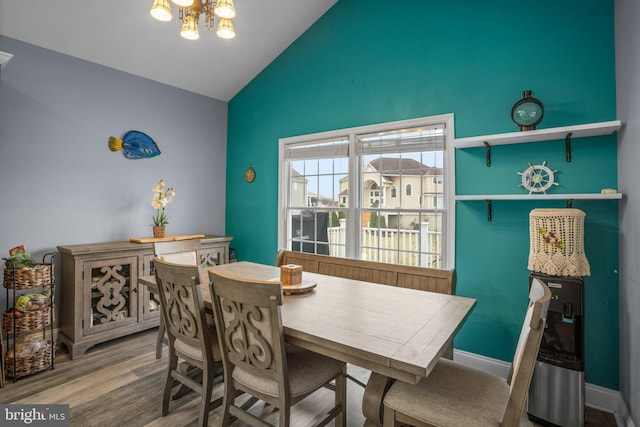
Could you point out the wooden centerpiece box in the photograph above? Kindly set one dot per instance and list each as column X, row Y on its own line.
column 290, row 274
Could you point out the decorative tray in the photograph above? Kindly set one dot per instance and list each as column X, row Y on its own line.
column 165, row 239
column 307, row 285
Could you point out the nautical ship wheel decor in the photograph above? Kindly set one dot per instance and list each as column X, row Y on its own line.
column 538, row 178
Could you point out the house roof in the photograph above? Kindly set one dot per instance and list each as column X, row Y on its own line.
column 394, row 165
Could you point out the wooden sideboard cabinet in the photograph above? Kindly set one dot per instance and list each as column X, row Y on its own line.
column 100, row 299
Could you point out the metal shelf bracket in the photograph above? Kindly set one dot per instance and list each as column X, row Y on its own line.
column 488, row 148
column 567, row 143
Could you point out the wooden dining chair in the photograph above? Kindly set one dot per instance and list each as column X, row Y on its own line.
column 456, row 395
column 256, row 359
column 191, row 333
column 178, row 252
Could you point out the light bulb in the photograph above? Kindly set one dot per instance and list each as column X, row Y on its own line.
column 161, row 10
column 183, row 3
column 190, row 28
column 225, row 29
column 225, row 9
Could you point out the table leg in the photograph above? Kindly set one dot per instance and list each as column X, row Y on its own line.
column 372, row 402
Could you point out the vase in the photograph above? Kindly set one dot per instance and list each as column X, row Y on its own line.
column 158, row 231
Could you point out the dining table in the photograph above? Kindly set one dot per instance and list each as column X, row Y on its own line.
column 396, row 333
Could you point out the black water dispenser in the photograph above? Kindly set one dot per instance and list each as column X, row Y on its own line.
column 556, row 394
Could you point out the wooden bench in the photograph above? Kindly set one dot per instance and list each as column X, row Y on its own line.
column 404, row 276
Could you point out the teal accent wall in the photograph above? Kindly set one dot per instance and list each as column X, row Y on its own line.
column 364, row 62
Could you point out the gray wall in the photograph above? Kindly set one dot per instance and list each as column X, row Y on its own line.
column 61, row 184
column 628, row 105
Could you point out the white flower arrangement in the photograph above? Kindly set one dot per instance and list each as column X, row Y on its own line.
column 162, row 196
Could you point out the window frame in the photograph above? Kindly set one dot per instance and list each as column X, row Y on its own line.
column 408, row 190
column 353, row 220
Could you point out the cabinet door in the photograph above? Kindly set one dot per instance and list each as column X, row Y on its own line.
column 150, row 302
column 213, row 256
column 111, row 294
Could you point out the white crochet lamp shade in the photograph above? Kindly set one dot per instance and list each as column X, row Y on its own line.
column 557, row 242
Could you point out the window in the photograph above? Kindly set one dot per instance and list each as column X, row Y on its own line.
column 352, row 177
column 376, row 198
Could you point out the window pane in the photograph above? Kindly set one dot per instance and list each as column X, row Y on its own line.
column 326, row 190
column 410, row 181
column 341, row 165
column 337, row 233
column 309, row 231
column 315, row 184
column 311, row 167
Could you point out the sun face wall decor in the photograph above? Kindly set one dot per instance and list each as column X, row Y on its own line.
column 250, row 174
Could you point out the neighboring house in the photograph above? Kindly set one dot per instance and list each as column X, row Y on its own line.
column 324, row 202
column 401, row 183
column 299, row 194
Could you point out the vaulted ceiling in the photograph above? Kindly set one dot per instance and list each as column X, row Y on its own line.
column 122, row 35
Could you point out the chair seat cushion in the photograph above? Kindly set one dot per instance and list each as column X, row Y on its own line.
column 193, row 351
column 452, row 395
column 307, row 371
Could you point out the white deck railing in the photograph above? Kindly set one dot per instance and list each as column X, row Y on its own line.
column 406, row 247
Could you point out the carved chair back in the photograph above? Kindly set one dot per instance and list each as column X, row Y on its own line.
column 248, row 318
column 183, row 309
column 179, row 252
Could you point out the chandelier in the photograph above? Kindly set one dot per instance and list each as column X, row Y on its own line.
column 189, row 12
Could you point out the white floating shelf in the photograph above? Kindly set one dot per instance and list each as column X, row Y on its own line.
column 489, row 198
column 576, row 131
column 577, row 196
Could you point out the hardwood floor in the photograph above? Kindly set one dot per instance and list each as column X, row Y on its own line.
column 119, row 383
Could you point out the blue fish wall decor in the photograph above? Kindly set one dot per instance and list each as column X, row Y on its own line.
column 135, row 145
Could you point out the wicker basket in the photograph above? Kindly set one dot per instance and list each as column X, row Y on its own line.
column 26, row 320
column 28, row 365
column 40, row 275
column 557, row 242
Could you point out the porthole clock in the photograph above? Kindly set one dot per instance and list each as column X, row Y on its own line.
column 527, row 112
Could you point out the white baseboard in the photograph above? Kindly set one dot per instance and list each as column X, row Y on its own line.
column 595, row 396
column 483, row 363
column 623, row 418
